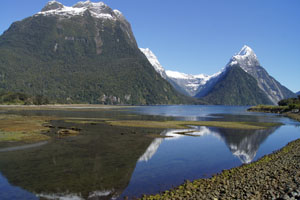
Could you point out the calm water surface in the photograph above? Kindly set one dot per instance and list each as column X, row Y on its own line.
column 106, row 162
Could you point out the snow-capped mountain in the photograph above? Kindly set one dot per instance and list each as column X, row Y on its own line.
column 247, row 60
column 98, row 10
column 82, row 53
column 244, row 82
column 187, row 84
column 298, row 93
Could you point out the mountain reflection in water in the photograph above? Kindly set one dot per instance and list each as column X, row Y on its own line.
column 169, row 134
column 101, row 165
column 243, row 144
column 97, row 164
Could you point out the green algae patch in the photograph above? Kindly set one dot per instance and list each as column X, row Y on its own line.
column 185, row 124
column 269, row 109
column 22, row 137
column 284, row 110
column 293, row 116
column 26, row 129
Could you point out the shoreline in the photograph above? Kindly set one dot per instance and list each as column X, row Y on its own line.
column 65, row 106
column 281, row 110
column 274, row 176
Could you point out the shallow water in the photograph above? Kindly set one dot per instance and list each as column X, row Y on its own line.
column 113, row 162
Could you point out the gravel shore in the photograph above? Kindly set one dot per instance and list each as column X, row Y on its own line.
column 275, row 176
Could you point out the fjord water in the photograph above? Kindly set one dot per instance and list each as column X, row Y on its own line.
column 108, row 162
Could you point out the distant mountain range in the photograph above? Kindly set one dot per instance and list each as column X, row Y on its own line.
column 242, row 82
column 185, row 83
column 86, row 53
column 298, row 93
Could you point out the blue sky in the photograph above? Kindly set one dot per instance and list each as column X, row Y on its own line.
column 200, row 36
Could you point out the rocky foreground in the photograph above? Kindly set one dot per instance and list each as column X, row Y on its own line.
column 275, row 176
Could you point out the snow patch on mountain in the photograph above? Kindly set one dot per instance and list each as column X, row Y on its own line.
column 119, row 14
column 97, row 10
column 179, row 75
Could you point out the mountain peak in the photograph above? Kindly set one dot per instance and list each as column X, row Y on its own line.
column 89, row 4
column 96, row 9
column 52, row 5
column 246, row 59
column 246, row 50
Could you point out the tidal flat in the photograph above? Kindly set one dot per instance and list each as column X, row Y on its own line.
column 185, row 124
column 119, row 152
column 30, row 129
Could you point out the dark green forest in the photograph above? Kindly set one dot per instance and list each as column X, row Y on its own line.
column 15, row 98
column 80, row 60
